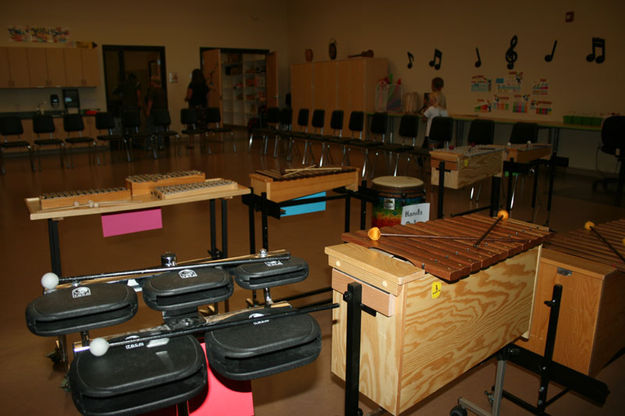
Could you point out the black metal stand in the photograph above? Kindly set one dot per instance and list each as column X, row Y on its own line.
column 441, row 188
column 545, row 367
column 353, row 297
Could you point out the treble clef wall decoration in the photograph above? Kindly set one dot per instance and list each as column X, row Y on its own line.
column 511, row 55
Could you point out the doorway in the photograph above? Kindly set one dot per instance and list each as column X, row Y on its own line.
column 122, row 62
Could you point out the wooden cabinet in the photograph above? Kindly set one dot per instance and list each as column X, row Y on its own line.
column 81, row 67
column 46, row 67
column 24, row 67
column 14, row 68
column 347, row 85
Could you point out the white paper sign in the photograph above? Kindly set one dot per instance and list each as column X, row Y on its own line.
column 415, row 213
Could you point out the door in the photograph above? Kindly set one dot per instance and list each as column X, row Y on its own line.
column 122, row 63
column 211, row 68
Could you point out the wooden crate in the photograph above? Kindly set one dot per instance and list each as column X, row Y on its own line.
column 285, row 190
column 591, row 325
column 466, row 165
column 428, row 332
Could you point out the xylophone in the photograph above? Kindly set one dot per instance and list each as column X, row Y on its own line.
column 145, row 183
column 89, row 197
column 452, row 296
column 192, row 189
column 153, row 368
column 465, row 165
column 529, row 152
column 283, row 186
column 591, row 327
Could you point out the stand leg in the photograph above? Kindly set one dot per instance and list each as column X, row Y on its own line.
column 252, row 228
column 224, row 228
column 347, row 212
column 353, row 297
column 441, row 187
column 213, row 232
column 55, row 249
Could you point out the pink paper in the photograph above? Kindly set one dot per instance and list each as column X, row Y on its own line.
column 131, row 222
column 222, row 397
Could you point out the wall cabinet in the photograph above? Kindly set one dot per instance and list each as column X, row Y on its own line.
column 81, row 67
column 347, row 85
column 14, row 68
column 23, row 67
column 46, row 67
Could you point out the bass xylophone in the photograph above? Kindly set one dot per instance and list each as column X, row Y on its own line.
column 591, row 327
column 283, row 186
column 451, row 296
column 88, row 197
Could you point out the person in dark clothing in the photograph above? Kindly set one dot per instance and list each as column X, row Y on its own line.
column 155, row 97
column 197, row 91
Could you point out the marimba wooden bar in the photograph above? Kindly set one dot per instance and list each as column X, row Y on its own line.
column 444, row 310
column 591, row 328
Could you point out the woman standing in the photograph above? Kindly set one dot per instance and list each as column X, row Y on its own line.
column 197, row 93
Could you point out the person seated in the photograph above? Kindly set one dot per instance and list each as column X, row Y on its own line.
column 434, row 110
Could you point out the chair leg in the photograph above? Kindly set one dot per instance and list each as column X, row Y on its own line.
column 30, row 156
column 2, row 169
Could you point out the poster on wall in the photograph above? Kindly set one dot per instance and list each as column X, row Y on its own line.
column 501, row 103
column 38, row 34
column 479, row 83
column 482, row 105
column 510, row 83
column 520, row 104
column 540, row 87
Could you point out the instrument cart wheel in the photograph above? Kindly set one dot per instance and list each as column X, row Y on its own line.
column 458, row 411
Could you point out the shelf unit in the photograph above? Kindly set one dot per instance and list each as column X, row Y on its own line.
column 243, row 86
column 246, row 80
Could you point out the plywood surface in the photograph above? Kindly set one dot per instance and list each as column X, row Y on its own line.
column 285, row 190
column 466, row 165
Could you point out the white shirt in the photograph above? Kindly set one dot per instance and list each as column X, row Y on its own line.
column 430, row 113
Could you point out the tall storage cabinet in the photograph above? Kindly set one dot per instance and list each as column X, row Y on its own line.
column 347, row 85
column 241, row 83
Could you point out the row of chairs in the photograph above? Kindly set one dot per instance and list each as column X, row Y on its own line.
column 131, row 134
column 279, row 127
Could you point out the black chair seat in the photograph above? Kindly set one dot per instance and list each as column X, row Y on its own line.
column 83, row 139
column 364, row 143
column 15, row 143
column 219, row 130
column 268, row 346
column 396, row 147
column 111, row 137
column 139, row 378
column 48, row 142
column 193, row 131
column 168, row 133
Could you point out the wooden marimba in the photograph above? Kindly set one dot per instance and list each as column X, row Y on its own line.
column 192, row 189
column 591, row 327
column 428, row 331
column 284, row 186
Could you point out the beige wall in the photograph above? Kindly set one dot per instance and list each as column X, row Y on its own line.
column 394, row 27
column 390, row 28
column 181, row 27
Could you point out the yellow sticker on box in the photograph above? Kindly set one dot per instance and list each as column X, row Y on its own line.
column 436, row 289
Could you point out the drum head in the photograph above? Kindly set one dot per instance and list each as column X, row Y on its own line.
column 265, row 347
column 398, row 182
column 138, row 378
column 81, row 308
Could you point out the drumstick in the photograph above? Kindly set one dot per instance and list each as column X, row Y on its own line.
column 590, row 226
column 501, row 215
column 374, row 234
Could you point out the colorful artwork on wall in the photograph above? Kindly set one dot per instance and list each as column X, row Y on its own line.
column 38, row 34
column 479, row 83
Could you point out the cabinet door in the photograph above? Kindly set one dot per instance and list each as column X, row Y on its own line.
column 211, row 67
column 301, row 90
column 344, row 93
column 56, row 67
column 324, row 87
column 18, row 67
column 90, row 67
column 272, row 80
column 73, row 67
column 37, row 67
column 5, row 72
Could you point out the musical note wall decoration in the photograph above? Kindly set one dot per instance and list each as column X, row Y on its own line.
column 436, row 61
column 549, row 58
column 597, row 43
column 410, row 60
column 478, row 63
column 511, row 55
